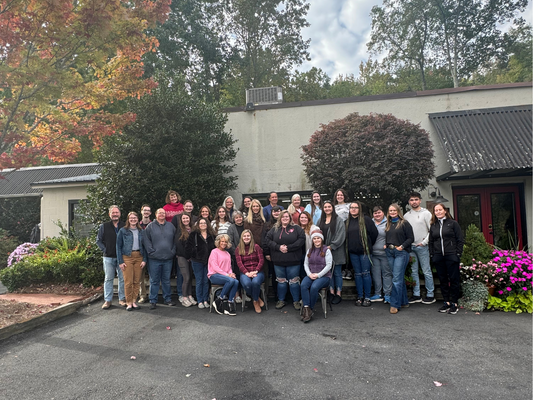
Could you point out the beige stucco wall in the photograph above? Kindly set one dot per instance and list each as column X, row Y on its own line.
column 54, row 207
column 270, row 141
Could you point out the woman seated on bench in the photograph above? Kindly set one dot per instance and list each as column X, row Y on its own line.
column 317, row 264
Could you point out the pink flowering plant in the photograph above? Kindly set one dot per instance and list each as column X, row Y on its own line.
column 509, row 271
column 513, row 272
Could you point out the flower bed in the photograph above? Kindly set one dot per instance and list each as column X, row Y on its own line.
column 511, row 273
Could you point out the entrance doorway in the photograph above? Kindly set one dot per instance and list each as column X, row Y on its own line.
column 495, row 210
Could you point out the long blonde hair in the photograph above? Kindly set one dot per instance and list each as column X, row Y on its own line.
column 250, row 216
column 241, row 248
column 400, row 216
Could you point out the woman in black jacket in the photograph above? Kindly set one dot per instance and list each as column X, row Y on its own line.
column 183, row 229
column 285, row 241
column 198, row 247
column 398, row 238
column 445, row 249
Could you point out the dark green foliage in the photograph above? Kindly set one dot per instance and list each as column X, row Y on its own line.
column 377, row 158
column 20, row 215
column 177, row 142
column 8, row 243
column 476, row 247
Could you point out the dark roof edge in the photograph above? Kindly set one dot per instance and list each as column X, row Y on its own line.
column 378, row 97
column 525, row 107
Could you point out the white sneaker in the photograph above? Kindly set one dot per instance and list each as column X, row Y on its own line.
column 201, row 305
column 238, row 299
column 246, row 298
column 181, row 299
column 185, row 302
column 206, row 304
column 192, row 301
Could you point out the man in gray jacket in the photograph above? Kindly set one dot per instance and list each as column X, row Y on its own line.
column 158, row 240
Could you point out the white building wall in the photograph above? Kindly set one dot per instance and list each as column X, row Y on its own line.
column 54, row 207
column 270, row 140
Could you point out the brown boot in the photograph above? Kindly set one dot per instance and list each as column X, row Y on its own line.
column 257, row 307
column 393, row 310
column 308, row 313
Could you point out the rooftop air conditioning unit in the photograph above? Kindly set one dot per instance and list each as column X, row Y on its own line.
column 269, row 95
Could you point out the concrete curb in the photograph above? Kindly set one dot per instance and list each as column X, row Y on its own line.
column 55, row 314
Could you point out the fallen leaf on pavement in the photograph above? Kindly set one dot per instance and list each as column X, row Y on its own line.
column 133, row 357
column 437, row 383
column 207, row 365
column 314, row 369
column 188, row 375
column 168, row 328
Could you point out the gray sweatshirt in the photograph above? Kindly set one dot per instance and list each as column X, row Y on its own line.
column 158, row 240
column 420, row 221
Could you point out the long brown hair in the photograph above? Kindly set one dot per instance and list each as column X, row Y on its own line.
column 183, row 229
column 306, row 228
column 127, row 224
column 434, row 217
column 210, row 231
column 241, row 248
column 217, row 218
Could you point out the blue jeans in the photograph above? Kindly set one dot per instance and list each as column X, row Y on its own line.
column 398, row 261
column 110, row 266
column 202, row 283
column 381, row 270
column 363, row 281
column 421, row 254
column 252, row 286
column 336, row 278
column 160, row 272
column 231, row 285
column 310, row 289
column 288, row 277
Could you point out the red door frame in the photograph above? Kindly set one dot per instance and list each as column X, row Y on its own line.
column 484, row 193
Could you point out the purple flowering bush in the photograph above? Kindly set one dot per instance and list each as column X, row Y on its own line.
column 20, row 252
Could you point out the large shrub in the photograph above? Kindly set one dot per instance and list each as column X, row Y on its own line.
column 56, row 260
column 476, row 247
column 8, row 243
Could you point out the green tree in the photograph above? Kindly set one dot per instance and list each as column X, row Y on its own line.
column 266, row 41
column 462, row 36
column 177, row 142
column 20, row 215
column 311, row 85
column 376, row 157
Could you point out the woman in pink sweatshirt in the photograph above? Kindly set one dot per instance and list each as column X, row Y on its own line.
column 219, row 272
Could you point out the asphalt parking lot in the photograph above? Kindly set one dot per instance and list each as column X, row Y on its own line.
column 356, row 353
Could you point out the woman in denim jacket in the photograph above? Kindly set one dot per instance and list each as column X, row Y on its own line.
column 131, row 258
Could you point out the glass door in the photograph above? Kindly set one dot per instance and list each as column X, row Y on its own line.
column 495, row 210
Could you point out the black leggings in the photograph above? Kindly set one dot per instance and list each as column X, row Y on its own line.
column 185, row 269
column 450, row 279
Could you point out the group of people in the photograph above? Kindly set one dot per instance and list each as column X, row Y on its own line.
column 302, row 249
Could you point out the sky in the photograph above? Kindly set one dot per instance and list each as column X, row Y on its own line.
column 339, row 32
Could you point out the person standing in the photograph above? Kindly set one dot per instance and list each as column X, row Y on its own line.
column 334, row 232
column 146, row 212
column 229, row 205
column 361, row 234
column 106, row 240
column 159, row 244
column 173, row 206
column 245, row 206
column 446, row 248
column 381, row 272
column 295, row 207
column 131, row 258
column 420, row 220
column 273, row 201
column 398, row 238
column 221, row 223
column 183, row 231
column 199, row 245
column 315, row 207
column 285, row 241
column 342, row 207
column 188, row 207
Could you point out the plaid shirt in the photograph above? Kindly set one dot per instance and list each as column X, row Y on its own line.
column 250, row 262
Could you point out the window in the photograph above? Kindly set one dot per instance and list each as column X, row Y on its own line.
column 75, row 219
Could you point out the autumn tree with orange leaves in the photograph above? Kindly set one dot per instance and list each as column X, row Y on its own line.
column 62, row 63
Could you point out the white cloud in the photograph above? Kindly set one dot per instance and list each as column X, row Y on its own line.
column 339, row 32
